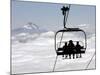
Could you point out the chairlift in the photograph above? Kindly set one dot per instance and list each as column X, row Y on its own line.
column 59, row 50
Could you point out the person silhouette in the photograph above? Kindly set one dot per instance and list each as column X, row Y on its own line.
column 65, row 49
column 71, row 49
column 78, row 49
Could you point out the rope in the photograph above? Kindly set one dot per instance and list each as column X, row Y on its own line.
column 90, row 61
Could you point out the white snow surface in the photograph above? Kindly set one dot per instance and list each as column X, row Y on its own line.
column 36, row 53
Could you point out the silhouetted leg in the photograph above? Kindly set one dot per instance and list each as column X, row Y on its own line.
column 76, row 55
column 62, row 55
column 80, row 55
column 73, row 56
column 66, row 56
column 69, row 56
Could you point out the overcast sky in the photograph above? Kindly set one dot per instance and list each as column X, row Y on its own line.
column 49, row 16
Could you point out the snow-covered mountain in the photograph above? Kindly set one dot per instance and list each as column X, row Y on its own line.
column 26, row 33
column 28, row 28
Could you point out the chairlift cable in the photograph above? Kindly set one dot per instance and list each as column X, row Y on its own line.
column 90, row 61
column 55, row 63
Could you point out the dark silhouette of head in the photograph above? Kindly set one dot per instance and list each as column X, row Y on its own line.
column 70, row 41
column 65, row 43
column 77, row 42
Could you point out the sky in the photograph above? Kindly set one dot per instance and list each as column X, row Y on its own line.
column 49, row 15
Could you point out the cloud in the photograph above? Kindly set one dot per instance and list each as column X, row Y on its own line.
column 83, row 25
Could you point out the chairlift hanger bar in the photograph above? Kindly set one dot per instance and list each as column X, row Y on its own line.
column 64, row 10
column 70, row 30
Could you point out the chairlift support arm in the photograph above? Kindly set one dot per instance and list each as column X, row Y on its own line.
column 64, row 10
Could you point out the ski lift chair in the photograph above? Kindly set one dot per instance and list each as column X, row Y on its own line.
column 60, row 50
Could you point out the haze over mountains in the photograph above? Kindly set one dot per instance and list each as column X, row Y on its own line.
column 31, row 31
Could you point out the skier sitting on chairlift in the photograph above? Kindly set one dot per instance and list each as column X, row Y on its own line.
column 65, row 50
column 71, row 49
column 78, row 49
